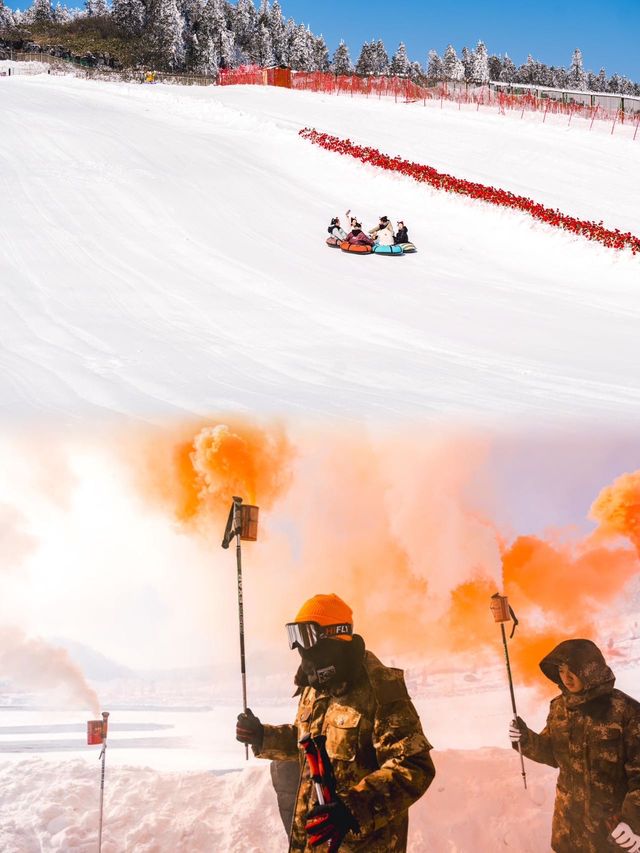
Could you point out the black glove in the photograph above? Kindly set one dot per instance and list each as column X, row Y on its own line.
column 518, row 732
column 330, row 823
column 249, row 729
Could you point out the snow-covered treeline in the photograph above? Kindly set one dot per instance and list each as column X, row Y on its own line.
column 205, row 35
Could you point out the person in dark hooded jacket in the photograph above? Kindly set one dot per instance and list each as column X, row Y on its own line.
column 593, row 736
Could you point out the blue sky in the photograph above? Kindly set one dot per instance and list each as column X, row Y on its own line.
column 607, row 33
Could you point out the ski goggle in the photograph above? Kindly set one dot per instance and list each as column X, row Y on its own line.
column 305, row 635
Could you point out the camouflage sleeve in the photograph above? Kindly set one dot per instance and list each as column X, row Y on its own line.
column 631, row 803
column 405, row 766
column 280, row 743
column 538, row 747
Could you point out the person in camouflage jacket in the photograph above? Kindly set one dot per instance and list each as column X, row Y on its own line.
column 380, row 756
column 593, row 736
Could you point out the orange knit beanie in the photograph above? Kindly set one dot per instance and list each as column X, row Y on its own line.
column 327, row 610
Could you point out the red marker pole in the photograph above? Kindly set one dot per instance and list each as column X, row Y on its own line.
column 97, row 734
column 103, row 756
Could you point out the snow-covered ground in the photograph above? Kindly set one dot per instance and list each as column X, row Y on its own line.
column 476, row 803
column 162, row 255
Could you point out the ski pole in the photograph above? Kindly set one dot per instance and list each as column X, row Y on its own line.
column 103, row 755
column 311, row 754
column 322, row 776
column 243, row 524
column 503, row 612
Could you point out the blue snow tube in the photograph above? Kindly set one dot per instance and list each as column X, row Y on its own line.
column 387, row 250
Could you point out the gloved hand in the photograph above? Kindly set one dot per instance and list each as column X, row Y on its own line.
column 249, row 729
column 517, row 729
column 626, row 838
column 330, row 823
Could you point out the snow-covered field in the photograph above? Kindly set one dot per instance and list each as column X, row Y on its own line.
column 162, row 255
column 470, row 807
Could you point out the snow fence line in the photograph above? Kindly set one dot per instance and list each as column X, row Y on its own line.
column 613, row 239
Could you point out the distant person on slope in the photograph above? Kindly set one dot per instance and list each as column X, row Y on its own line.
column 402, row 234
column 593, row 735
column 336, row 230
column 383, row 232
column 357, row 236
column 380, row 756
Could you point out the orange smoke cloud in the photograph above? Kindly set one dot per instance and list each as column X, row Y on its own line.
column 197, row 470
column 559, row 590
column 36, row 665
column 388, row 523
column 617, row 509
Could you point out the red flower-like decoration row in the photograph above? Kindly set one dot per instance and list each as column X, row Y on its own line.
column 614, row 239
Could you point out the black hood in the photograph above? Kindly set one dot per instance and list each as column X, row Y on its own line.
column 586, row 661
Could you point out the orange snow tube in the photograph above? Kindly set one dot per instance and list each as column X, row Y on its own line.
column 355, row 248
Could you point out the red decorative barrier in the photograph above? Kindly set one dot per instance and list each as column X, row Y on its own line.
column 614, row 239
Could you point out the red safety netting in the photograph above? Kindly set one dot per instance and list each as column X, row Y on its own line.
column 614, row 239
column 406, row 91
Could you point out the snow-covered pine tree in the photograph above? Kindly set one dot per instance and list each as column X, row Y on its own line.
column 435, row 66
column 320, row 54
column 164, row 34
column 364, row 65
column 300, row 54
column 601, row 81
column 577, row 79
column 509, row 71
column 400, row 65
column 129, row 15
column 244, row 19
column 40, row 12
column 416, row 71
column 466, row 58
column 453, row 68
column 261, row 51
column 341, row 63
column 528, row 71
column 480, row 64
column 96, row 8
column 495, row 67
column 6, row 17
column 560, row 78
column 216, row 26
column 380, row 58
column 278, row 31
column 263, row 13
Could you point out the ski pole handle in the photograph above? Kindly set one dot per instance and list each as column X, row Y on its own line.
column 311, row 753
column 326, row 770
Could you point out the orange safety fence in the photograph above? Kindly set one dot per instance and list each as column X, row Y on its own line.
column 407, row 91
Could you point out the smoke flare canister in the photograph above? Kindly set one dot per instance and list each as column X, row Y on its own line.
column 500, row 608
column 95, row 732
column 248, row 522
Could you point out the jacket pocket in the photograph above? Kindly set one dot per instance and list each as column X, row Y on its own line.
column 342, row 727
column 606, row 755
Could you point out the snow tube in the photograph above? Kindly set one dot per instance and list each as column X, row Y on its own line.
column 333, row 242
column 388, row 250
column 355, row 248
column 408, row 248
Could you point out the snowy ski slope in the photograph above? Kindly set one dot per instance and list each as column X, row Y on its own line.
column 162, row 251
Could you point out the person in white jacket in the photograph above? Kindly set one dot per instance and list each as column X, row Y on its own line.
column 336, row 230
column 383, row 232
